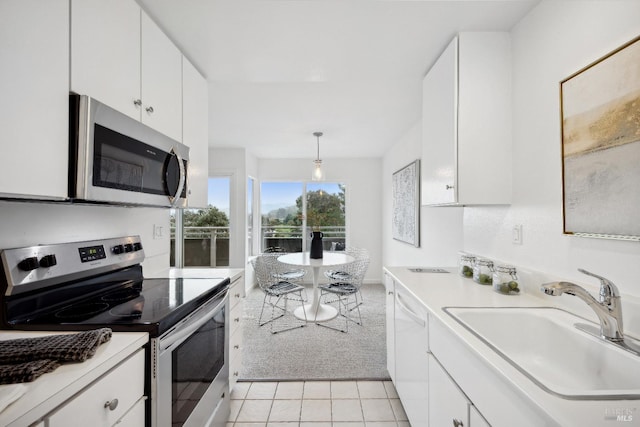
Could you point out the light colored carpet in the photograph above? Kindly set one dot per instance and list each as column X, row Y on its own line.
column 314, row 352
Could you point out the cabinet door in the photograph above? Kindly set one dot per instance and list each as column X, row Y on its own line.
column 484, row 118
column 447, row 404
column 105, row 52
column 135, row 417
column 195, row 133
column 34, row 109
column 475, row 419
column 439, row 129
column 161, row 81
column 122, row 388
column 390, row 310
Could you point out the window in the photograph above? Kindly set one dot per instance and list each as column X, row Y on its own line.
column 200, row 237
column 290, row 210
column 326, row 213
column 281, row 221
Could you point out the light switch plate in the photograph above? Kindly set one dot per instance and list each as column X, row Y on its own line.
column 516, row 234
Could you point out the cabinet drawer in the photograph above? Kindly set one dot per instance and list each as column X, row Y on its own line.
column 235, row 358
column 447, row 404
column 236, row 291
column 124, row 383
column 135, row 417
column 235, row 319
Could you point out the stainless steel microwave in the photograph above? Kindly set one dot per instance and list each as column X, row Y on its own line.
column 119, row 160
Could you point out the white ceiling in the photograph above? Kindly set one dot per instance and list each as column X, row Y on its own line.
column 278, row 70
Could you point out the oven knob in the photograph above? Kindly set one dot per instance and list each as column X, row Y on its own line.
column 48, row 261
column 128, row 247
column 28, row 264
column 118, row 249
column 137, row 246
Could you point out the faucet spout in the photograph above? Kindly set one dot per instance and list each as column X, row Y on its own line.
column 608, row 307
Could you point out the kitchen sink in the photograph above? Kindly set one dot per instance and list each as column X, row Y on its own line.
column 544, row 344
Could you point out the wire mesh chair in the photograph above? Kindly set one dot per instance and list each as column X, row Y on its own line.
column 287, row 272
column 342, row 275
column 277, row 293
column 344, row 291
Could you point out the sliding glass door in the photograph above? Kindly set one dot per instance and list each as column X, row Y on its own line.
column 290, row 210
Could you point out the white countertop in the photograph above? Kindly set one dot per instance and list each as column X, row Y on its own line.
column 438, row 290
column 54, row 388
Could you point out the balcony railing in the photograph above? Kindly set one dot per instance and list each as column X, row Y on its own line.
column 209, row 246
column 203, row 246
column 290, row 239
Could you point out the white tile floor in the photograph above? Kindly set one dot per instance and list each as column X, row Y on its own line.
column 316, row 404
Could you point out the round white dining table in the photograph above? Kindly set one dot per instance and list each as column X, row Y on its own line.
column 315, row 311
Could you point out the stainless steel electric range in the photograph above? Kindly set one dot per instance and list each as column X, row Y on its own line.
column 99, row 283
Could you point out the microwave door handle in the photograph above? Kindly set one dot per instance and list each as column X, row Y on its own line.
column 176, row 197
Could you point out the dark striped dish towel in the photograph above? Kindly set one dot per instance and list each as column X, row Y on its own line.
column 25, row 359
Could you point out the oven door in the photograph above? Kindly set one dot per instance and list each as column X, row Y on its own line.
column 190, row 379
column 117, row 159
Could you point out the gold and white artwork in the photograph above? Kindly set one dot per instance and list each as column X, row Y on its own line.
column 601, row 146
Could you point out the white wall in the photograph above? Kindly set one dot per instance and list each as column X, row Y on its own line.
column 27, row 224
column 440, row 227
column 231, row 162
column 363, row 180
column 556, row 39
column 552, row 42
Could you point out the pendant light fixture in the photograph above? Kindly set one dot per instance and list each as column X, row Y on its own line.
column 317, row 175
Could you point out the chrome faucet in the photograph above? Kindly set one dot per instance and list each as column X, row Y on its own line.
column 607, row 307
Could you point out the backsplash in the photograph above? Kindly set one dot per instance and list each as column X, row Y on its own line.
column 28, row 223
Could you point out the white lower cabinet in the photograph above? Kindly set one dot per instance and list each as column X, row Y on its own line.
column 411, row 348
column 475, row 419
column 486, row 390
column 135, row 417
column 114, row 397
column 389, row 311
column 448, row 406
column 236, row 296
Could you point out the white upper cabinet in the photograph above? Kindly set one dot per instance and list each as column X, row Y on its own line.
column 195, row 133
column 161, row 81
column 105, row 53
column 121, row 57
column 466, row 123
column 34, row 105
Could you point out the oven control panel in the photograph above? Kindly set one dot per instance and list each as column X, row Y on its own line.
column 37, row 267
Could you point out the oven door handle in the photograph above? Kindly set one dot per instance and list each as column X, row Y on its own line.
column 182, row 333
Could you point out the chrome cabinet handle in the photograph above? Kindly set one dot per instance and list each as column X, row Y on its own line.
column 449, row 187
column 237, row 319
column 149, row 109
column 237, row 295
column 457, row 423
column 236, row 346
column 111, row 404
column 235, row 374
column 137, row 102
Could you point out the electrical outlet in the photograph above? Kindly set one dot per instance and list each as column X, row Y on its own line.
column 157, row 231
column 516, row 234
